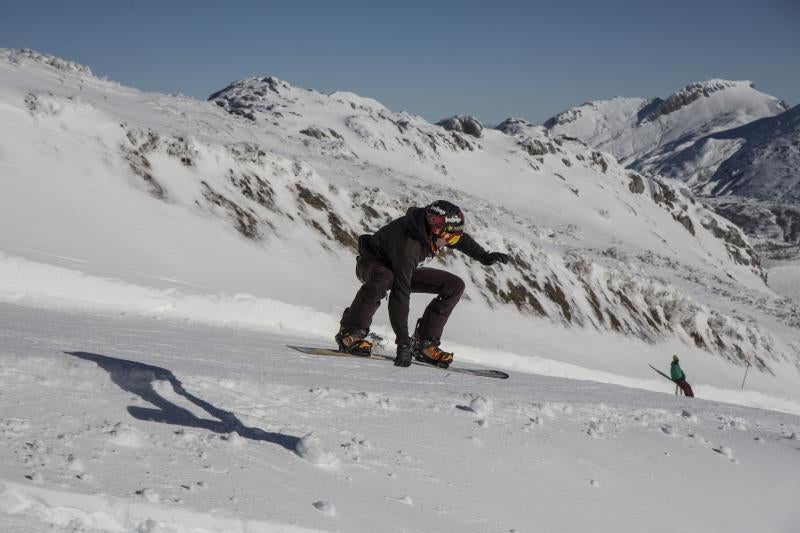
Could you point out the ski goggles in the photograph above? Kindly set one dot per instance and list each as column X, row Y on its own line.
column 447, row 237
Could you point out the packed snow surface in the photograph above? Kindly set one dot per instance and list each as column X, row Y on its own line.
column 116, row 423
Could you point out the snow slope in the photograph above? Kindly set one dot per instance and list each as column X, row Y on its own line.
column 114, row 423
column 157, row 253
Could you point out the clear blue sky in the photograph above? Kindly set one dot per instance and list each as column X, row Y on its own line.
column 435, row 58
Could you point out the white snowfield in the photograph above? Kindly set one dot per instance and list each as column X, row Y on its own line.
column 115, row 423
column 157, row 254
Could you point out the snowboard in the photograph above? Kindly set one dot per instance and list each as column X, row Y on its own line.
column 482, row 372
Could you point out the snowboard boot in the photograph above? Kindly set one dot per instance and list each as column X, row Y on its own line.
column 353, row 342
column 428, row 352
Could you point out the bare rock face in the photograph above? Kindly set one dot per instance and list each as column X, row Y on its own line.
column 636, row 184
column 463, row 124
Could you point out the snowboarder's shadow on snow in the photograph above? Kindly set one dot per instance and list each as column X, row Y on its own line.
column 138, row 379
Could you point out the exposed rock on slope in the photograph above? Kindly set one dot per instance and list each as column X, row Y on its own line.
column 464, row 124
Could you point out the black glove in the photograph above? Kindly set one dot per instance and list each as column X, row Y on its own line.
column 495, row 257
column 404, row 352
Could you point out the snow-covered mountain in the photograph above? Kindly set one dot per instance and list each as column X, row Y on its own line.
column 647, row 133
column 148, row 188
column 767, row 166
column 157, row 253
column 758, row 187
column 723, row 138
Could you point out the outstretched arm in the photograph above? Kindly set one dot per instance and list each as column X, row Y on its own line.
column 467, row 245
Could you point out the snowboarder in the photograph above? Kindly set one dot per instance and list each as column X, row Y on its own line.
column 389, row 260
column 679, row 377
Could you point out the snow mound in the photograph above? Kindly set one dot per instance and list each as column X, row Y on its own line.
column 311, row 449
column 482, row 407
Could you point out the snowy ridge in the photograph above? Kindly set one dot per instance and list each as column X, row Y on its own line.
column 689, row 94
column 645, row 133
column 584, row 114
column 275, row 102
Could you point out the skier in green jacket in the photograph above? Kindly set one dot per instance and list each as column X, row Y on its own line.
column 679, row 377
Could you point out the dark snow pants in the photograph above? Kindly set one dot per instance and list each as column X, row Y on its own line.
column 685, row 387
column 377, row 279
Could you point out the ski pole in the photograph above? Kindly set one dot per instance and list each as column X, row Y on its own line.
column 745, row 373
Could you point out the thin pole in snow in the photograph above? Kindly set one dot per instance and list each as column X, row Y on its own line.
column 745, row 373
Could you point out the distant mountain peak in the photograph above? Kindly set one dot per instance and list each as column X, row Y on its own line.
column 645, row 133
column 687, row 95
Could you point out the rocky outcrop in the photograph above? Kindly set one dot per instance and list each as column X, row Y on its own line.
column 317, row 133
column 514, row 126
column 636, row 184
column 251, row 97
column 536, row 147
column 463, row 124
column 568, row 116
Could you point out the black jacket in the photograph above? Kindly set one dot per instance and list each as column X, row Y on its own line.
column 403, row 244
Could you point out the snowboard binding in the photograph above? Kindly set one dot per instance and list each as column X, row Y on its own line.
column 354, row 342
